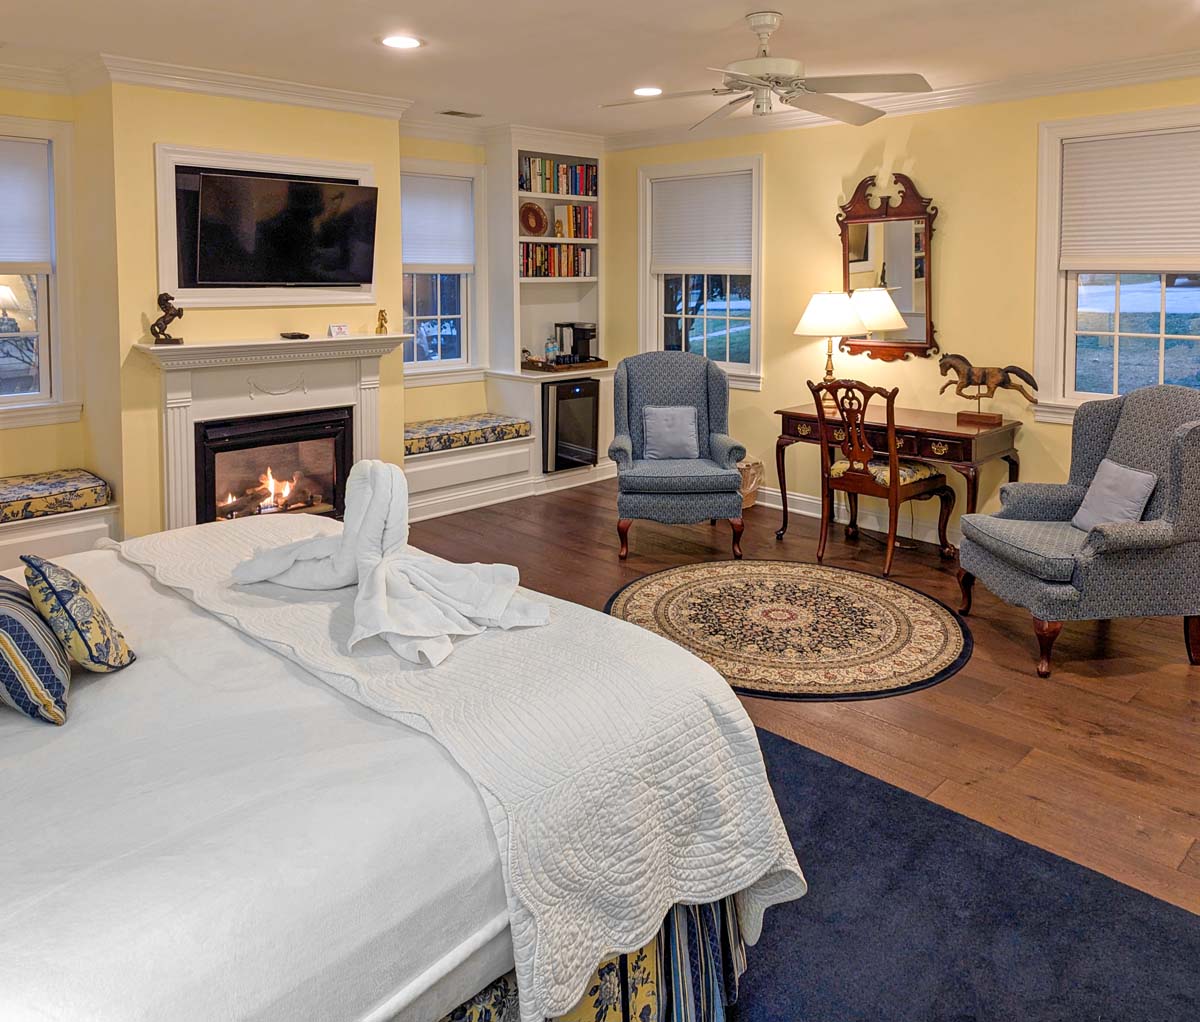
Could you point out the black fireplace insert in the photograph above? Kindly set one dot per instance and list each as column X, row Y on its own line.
column 287, row 463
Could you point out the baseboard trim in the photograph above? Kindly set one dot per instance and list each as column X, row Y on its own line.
column 467, row 497
column 873, row 521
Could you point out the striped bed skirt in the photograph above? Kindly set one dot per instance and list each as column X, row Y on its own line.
column 689, row 972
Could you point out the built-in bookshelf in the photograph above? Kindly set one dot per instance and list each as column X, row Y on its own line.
column 551, row 277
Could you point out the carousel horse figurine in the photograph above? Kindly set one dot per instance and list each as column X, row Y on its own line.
column 988, row 380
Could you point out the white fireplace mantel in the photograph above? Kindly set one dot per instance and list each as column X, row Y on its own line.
column 237, row 379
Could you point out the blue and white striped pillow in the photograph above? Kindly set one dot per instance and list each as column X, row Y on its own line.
column 35, row 674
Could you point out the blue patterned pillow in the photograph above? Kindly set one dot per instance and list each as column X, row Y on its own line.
column 81, row 624
column 34, row 673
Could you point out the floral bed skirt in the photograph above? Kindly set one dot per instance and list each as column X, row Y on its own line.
column 689, row 972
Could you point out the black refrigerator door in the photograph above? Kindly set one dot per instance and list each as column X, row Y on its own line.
column 570, row 423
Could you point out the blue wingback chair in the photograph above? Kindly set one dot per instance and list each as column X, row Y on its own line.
column 1029, row 553
column 675, row 491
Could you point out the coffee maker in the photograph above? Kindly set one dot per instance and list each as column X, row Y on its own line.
column 576, row 341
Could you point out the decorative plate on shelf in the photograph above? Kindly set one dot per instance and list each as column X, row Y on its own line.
column 533, row 219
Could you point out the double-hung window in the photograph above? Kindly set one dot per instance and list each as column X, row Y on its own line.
column 1122, row 255
column 438, row 232
column 701, row 288
column 26, row 271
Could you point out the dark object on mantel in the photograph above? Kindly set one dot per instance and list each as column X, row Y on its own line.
column 987, row 380
column 293, row 335
column 170, row 313
column 563, row 364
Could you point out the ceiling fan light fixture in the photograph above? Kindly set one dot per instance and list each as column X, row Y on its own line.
column 401, row 42
column 647, row 90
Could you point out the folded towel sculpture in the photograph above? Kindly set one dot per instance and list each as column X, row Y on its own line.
column 414, row 602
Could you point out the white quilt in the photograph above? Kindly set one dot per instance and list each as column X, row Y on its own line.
column 620, row 772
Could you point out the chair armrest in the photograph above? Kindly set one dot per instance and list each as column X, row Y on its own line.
column 621, row 450
column 1183, row 482
column 1112, row 537
column 725, row 451
column 1040, row 502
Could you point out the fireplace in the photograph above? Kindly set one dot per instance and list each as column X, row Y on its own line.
column 289, row 463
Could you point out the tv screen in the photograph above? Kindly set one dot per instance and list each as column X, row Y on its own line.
column 284, row 231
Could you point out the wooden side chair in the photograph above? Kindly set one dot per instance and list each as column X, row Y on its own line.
column 862, row 471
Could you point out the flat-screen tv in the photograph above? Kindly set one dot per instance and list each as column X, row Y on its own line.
column 264, row 231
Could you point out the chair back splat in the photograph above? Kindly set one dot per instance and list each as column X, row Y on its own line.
column 850, row 400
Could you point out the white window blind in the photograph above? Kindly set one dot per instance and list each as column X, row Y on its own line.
column 1131, row 202
column 26, row 223
column 437, row 222
column 702, row 223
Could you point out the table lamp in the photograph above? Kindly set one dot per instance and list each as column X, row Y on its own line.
column 876, row 309
column 8, row 300
column 830, row 314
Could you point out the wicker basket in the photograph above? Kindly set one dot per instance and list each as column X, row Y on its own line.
column 752, row 477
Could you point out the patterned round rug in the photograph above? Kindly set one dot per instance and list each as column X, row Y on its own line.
column 788, row 630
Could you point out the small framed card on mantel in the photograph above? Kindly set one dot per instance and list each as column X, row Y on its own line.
column 339, row 329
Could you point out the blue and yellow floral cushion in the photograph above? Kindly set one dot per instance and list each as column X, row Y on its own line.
column 35, row 675
column 50, row 493
column 81, row 624
column 463, row 431
column 910, row 471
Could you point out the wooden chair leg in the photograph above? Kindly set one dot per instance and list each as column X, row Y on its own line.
column 947, row 498
column 1191, row 637
column 1047, row 632
column 893, row 525
column 739, row 526
column 852, row 523
column 712, row 521
column 623, row 532
column 826, row 497
column 966, row 584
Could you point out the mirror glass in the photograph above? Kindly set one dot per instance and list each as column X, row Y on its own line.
column 892, row 254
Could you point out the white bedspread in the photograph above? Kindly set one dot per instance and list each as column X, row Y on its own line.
column 216, row 835
column 620, row 772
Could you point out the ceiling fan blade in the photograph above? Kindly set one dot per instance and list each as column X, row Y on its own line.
column 868, row 83
column 834, row 107
column 665, row 95
column 722, row 111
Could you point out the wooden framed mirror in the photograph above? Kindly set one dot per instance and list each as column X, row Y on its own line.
column 887, row 242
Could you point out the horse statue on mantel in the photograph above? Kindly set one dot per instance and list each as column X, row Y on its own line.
column 987, row 379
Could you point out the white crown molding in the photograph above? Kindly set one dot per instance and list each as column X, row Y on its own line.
column 1083, row 79
column 129, row 70
column 450, row 130
column 33, row 79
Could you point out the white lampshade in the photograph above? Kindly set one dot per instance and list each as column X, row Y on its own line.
column 8, row 300
column 876, row 309
column 830, row 314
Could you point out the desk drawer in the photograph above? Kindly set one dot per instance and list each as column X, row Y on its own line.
column 801, row 428
column 947, row 450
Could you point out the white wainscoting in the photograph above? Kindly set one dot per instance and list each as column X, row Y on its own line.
column 52, row 536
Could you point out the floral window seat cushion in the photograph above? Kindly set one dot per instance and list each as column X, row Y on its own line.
column 463, row 431
column 50, row 493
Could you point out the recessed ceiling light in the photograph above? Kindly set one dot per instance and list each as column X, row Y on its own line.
column 401, row 42
column 648, row 90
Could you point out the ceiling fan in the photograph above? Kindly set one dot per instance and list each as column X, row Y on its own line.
column 762, row 77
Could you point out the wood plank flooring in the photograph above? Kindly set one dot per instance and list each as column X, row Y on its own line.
column 1100, row 763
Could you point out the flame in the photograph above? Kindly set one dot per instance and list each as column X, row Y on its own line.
column 229, row 499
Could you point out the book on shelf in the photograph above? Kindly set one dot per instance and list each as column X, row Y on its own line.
column 538, row 259
column 542, row 174
column 576, row 221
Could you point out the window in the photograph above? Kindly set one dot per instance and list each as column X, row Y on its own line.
column 26, row 271
column 438, row 232
column 700, row 228
column 1118, row 259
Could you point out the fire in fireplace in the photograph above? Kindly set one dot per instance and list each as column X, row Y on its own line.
column 296, row 462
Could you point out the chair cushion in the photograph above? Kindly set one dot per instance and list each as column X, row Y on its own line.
column 681, row 475
column 34, row 673
column 910, row 471
column 1045, row 550
column 73, row 612
column 463, row 431
column 1117, row 494
column 50, row 493
column 670, row 432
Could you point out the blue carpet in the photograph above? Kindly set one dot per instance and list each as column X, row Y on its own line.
column 918, row 914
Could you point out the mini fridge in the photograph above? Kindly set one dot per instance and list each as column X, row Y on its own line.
column 570, row 423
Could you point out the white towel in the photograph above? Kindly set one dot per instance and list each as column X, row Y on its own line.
column 415, row 602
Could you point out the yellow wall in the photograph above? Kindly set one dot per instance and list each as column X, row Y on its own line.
column 979, row 165
column 143, row 117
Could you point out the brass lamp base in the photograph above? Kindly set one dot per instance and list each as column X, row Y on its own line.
column 826, row 397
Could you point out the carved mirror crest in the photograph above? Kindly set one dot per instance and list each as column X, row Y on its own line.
column 887, row 242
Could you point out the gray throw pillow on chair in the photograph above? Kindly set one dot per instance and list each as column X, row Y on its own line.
column 670, row 432
column 1117, row 494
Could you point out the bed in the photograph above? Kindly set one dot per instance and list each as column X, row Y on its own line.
column 218, row 834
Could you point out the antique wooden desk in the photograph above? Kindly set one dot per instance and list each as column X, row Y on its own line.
column 928, row 436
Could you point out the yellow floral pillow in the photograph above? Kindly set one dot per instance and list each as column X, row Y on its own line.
column 76, row 617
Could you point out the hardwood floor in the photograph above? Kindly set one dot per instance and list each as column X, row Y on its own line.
column 1100, row 763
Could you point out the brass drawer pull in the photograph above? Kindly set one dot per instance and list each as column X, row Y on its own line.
column 899, row 442
column 803, row 429
column 938, row 447
column 839, row 435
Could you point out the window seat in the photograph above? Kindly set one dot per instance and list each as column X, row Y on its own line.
column 50, row 493
column 53, row 513
column 456, row 432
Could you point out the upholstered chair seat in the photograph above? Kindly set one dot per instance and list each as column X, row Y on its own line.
column 910, row 471
column 685, row 475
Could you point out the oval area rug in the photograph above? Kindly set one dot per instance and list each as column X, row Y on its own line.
column 788, row 630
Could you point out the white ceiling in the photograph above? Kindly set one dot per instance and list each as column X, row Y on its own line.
column 550, row 63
